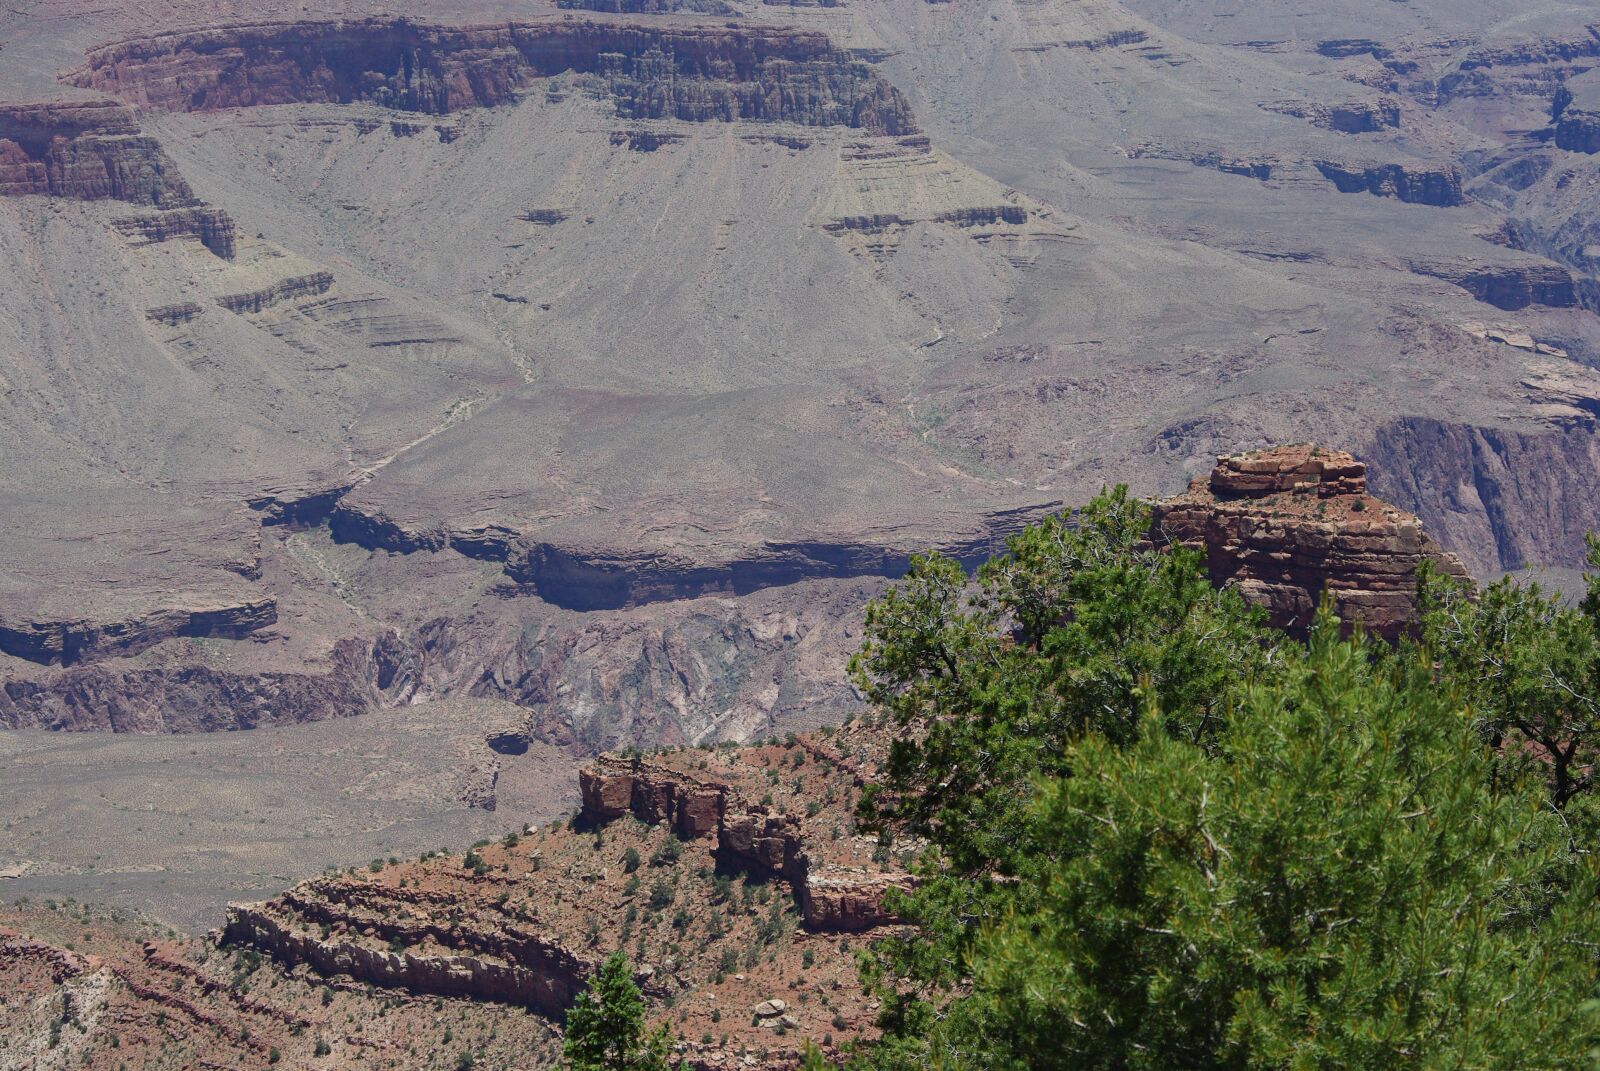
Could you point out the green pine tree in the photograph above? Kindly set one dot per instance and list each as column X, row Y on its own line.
column 605, row 1027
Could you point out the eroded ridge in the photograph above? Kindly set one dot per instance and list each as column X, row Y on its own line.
column 692, row 73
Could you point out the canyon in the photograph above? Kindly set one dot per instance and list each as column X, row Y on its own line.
column 467, row 392
column 754, row 850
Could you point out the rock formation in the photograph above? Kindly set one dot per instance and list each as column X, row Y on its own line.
column 703, row 73
column 752, row 838
column 1508, row 286
column 1578, row 130
column 1510, row 497
column 289, row 289
column 1440, row 187
column 93, row 989
column 1351, row 117
column 85, row 151
column 508, row 961
column 1287, row 526
column 181, row 312
column 503, row 922
column 211, row 227
column 69, row 641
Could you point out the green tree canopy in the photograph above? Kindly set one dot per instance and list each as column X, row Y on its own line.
column 605, row 1028
column 1160, row 835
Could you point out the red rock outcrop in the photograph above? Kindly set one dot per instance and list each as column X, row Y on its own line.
column 694, row 73
column 689, row 807
column 750, row 838
column 732, row 935
column 211, row 227
column 849, row 900
column 86, row 151
column 1286, row 526
column 482, row 953
column 61, row 964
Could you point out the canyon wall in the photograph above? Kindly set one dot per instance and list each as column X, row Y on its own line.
column 506, row 962
column 211, row 227
column 578, row 577
column 749, row 838
column 699, row 73
column 1503, row 498
column 66, row 641
column 1440, row 187
column 86, row 151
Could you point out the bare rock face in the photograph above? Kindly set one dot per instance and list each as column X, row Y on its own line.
column 1426, row 186
column 849, row 900
column 504, row 961
column 1286, row 525
column 1508, row 497
column 1578, row 130
column 690, row 807
column 88, row 152
column 1349, row 117
column 754, row 839
column 1508, row 286
column 211, row 227
column 76, row 640
column 695, row 74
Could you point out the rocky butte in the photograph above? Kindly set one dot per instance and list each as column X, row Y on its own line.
column 1285, row 525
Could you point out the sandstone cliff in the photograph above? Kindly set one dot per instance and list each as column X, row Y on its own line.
column 85, row 151
column 693, row 73
column 1286, row 526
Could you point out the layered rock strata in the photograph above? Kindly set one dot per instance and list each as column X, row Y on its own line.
column 76, row 640
column 1510, row 497
column 211, row 227
column 1440, row 187
column 755, row 839
column 578, row 577
column 85, row 151
column 290, row 289
column 1289, row 526
column 508, row 961
column 1508, row 286
column 693, row 73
